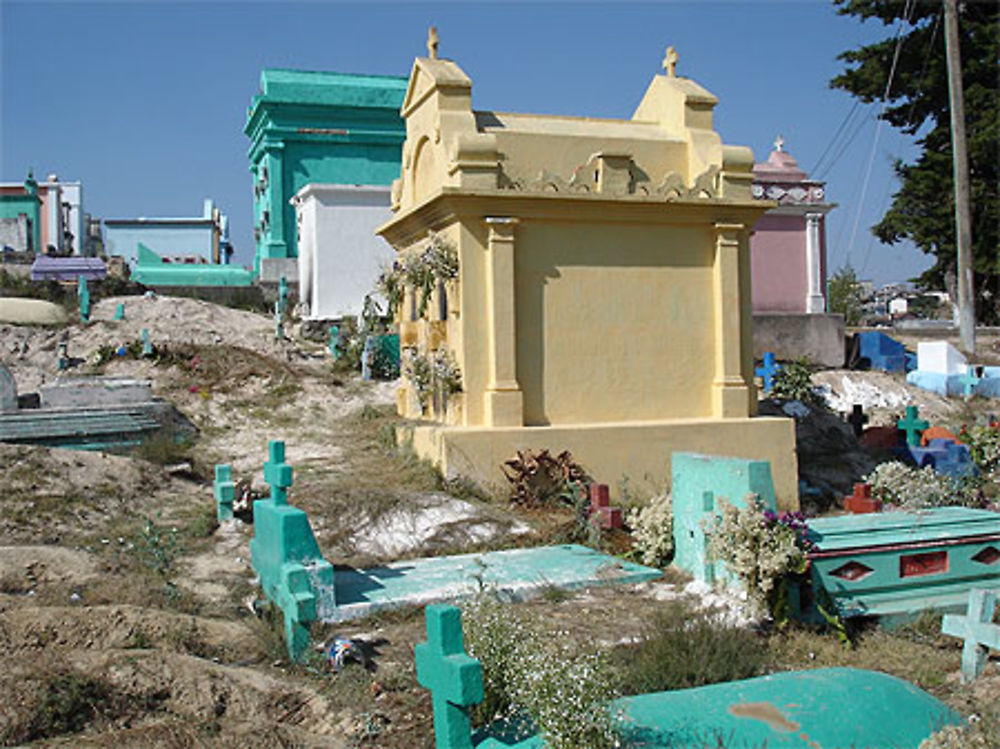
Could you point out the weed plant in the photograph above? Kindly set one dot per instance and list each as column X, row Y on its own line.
column 794, row 382
column 683, row 648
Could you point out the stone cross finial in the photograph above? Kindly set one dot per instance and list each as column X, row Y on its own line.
column 432, row 42
column 978, row 631
column 454, row 678
column 277, row 472
column 779, row 144
column 670, row 62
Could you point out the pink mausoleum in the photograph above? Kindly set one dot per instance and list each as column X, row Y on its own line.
column 788, row 247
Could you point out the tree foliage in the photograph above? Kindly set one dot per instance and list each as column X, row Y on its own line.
column 917, row 103
column 844, row 294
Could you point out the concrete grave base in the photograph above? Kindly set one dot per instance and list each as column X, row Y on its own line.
column 638, row 451
column 31, row 312
column 517, row 573
column 820, row 338
column 95, row 392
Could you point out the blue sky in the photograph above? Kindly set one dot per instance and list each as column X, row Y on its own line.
column 145, row 102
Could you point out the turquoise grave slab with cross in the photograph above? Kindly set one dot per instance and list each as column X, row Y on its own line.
column 296, row 577
column 978, row 631
column 293, row 573
column 827, row 707
column 897, row 564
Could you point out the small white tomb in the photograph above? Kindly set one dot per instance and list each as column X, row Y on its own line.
column 940, row 357
column 340, row 257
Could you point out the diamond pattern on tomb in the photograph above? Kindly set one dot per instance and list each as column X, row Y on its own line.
column 852, row 571
column 989, row 555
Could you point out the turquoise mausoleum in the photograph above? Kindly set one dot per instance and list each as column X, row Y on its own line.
column 316, row 127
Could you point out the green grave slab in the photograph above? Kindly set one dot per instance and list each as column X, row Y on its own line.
column 77, row 428
column 827, row 707
column 897, row 564
column 698, row 482
column 517, row 573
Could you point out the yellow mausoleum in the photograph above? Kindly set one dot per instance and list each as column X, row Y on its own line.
column 602, row 298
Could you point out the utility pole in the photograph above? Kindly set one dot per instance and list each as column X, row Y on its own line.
column 963, row 199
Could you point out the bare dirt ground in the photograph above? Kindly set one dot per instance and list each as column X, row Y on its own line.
column 123, row 606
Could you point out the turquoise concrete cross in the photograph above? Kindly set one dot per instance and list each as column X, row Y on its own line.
column 225, row 492
column 277, row 472
column 912, row 425
column 334, row 341
column 147, row 345
column 83, row 295
column 769, row 369
column 120, row 311
column 968, row 381
column 454, row 678
column 978, row 631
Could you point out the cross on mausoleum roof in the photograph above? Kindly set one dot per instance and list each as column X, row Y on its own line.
column 779, row 144
column 670, row 62
column 432, row 42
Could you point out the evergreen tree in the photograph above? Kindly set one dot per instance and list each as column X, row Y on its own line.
column 923, row 210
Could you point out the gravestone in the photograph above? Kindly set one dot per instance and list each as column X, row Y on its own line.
column 147, row 345
column 83, row 297
column 8, row 390
column 857, row 419
column 119, row 311
column 558, row 225
column 978, row 631
column 912, row 426
column 334, row 342
column 768, row 370
column 454, row 678
column 698, row 483
column 225, row 492
column 293, row 573
column 62, row 361
column 940, row 357
column 896, row 564
column 862, row 502
column 602, row 514
column 826, row 707
column 944, row 370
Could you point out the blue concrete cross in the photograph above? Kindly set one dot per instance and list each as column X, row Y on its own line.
column 978, row 631
column 277, row 472
column 912, row 425
column 769, row 369
column 454, row 678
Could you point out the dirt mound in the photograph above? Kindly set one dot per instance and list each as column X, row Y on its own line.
column 24, row 568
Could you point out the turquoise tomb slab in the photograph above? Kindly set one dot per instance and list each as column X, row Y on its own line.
column 517, row 573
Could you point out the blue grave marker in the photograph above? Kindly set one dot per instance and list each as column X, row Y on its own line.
column 767, row 372
column 147, row 345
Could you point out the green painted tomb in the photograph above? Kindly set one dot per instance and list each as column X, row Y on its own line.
column 897, row 564
column 317, row 127
column 152, row 270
